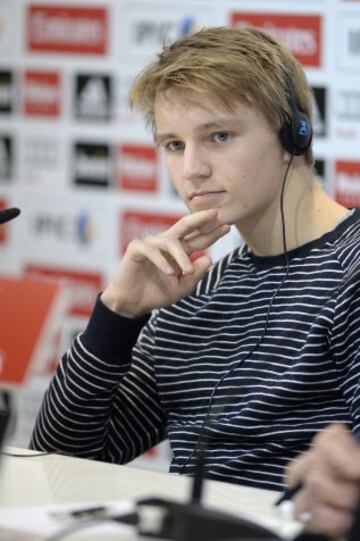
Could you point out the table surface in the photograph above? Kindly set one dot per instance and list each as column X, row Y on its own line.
column 55, row 479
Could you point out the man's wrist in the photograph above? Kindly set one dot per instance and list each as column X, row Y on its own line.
column 116, row 305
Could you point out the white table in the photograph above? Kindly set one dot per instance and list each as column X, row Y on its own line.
column 56, row 479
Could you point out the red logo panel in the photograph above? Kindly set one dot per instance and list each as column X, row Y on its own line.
column 140, row 224
column 36, row 320
column 302, row 34
column 42, row 93
column 137, row 168
column 67, row 29
column 84, row 286
column 347, row 183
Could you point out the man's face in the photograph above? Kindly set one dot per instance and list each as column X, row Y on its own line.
column 229, row 160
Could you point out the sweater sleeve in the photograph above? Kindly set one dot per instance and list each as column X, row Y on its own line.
column 102, row 402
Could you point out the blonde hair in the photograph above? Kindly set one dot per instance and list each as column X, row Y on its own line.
column 229, row 65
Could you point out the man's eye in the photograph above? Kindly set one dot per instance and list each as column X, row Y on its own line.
column 174, row 146
column 222, row 136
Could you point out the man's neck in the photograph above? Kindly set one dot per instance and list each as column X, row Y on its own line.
column 309, row 213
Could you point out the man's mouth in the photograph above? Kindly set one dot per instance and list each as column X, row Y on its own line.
column 206, row 196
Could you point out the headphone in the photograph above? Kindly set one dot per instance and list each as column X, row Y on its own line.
column 296, row 134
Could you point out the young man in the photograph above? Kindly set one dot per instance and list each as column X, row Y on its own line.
column 250, row 356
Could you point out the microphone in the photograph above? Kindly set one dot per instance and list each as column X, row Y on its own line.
column 8, row 214
column 191, row 521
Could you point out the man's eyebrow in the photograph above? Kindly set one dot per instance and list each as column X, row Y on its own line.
column 218, row 124
column 160, row 137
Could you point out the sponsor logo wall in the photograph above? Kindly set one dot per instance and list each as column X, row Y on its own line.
column 300, row 32
column 83, row 168
column 41, row 93
column 65, row 28
column 6, row 92
column 93, row 97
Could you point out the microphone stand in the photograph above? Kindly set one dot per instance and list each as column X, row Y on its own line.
column 191, row 521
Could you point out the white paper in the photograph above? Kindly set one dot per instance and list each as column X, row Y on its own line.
column 44, row 521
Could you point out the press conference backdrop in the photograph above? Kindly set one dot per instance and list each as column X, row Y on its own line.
column 83, row 168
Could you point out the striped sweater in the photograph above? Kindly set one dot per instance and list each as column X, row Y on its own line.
column 205, row 364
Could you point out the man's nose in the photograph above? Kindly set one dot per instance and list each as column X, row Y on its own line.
column 196, row 163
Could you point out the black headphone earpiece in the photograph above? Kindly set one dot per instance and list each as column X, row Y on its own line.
column 296, row 134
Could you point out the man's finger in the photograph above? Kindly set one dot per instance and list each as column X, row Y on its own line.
column 201, row 242
column 188, row 223
column 329, row 521
column 340, row 451
column 321, row 487
column 201, row 265
column 298, row 469
column 173, row 250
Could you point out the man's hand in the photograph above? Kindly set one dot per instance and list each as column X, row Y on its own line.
column 330, row 477
column 157, row 271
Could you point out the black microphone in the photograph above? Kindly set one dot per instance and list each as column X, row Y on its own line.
column 8, row 214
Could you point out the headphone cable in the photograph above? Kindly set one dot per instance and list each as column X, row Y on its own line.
column 201, row 439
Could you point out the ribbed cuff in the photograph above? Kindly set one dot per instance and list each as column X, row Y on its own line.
column 109, row 335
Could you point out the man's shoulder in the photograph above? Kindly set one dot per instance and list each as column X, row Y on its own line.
column 345, row 245
column 347, row 241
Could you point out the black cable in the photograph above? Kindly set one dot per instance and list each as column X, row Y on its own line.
column 283, row 226
column 201, row 438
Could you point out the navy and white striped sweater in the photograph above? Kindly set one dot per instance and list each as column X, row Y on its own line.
column 110, row 403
